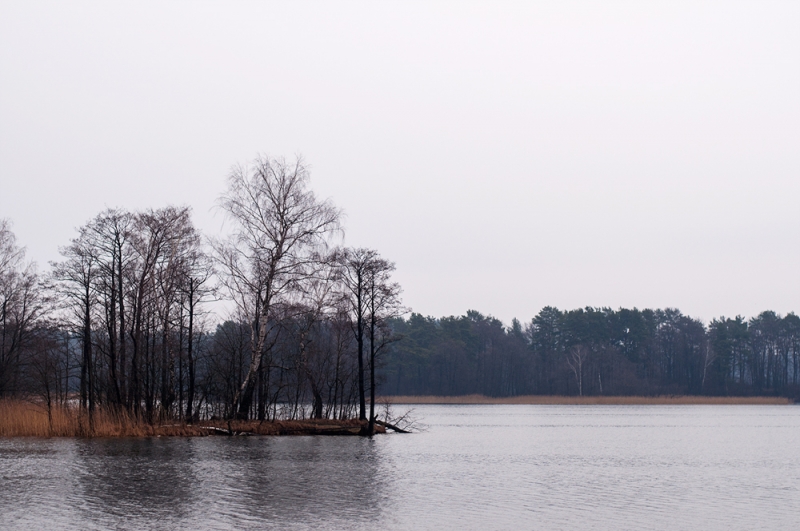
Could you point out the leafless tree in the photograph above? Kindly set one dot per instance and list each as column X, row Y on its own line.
column 316, row 308
column 576, row 358
column 49, row 367
column 371, row 299
column 110, row 233
column 124, row 282
column 383, row 303
column 160, row 241
column 280, row 231
column 196, row 287
column 76, row 280
column 355, row 270
column 21, row 305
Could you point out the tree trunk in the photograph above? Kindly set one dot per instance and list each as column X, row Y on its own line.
column 362, row 405
column 372, row 324
column 122, row 353
column 190, row 360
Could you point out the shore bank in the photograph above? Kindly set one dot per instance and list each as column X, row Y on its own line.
column 589, row 400
column 27, row 419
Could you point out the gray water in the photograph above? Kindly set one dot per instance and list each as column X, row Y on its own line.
column 476, row 467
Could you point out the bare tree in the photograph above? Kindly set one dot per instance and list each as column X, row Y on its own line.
column 49, row 367
column 383, row 302
column 372, row 299
column 21, row 305
column 355, row 266
column 160, row 240
column 181, row 244
column 110, row 233
column 318, row 307
column 280, row 229
column 76, row 281
column 576, row 357
column 196, row 287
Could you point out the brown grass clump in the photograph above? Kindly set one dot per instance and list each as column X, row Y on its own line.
column 18, row 418
column 29, row 419
column 591, row 400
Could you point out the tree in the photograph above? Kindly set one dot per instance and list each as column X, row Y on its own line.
column 195, row 287
column 76, row 281
column 22, row 304
column 576, row 358
column 383, row 303
column 312, row 318
column 280, row 229
column 122, row 282
column 356, row 266
column 107, row 237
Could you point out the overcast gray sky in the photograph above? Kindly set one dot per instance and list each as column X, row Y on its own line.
column 506, row 156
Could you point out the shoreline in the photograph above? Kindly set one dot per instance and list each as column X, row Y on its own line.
column 29, row 419
column 542, row 400
column 236, row 428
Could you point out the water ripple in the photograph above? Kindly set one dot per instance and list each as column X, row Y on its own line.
column 478, row 467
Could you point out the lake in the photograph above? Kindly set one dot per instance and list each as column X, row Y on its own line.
column 475, row 467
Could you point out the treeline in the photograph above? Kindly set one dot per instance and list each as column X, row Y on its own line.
column 596, row 351
column 122, row 320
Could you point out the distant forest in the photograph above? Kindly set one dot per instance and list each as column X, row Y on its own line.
column 122, row 323
column 595, row 351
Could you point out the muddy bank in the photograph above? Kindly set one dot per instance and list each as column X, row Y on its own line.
column 279, row 427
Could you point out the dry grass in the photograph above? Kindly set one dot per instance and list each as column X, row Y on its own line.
column 589, row 400
column 27, row 419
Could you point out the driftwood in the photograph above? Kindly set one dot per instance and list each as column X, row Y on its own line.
column 391, row 426
column 213, row 430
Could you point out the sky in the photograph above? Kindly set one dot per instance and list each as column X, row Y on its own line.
column 505, row 155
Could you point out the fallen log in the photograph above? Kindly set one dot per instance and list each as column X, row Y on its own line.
column 391, row 426
column 216, row 431
column 222, row 431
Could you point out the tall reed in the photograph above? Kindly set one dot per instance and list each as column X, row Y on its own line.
column 19, row 418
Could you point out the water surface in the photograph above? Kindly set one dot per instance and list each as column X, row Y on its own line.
column 476, row 467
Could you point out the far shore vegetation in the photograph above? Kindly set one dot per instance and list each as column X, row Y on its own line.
column 118, row 338
column 591, row 400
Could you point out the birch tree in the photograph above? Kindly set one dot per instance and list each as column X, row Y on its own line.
column 280, row 229
column 576, row 358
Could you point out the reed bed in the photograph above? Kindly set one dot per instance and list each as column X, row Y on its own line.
column 19, row 418
column 591, row 400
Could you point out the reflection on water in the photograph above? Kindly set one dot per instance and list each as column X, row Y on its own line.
column 478, row 467
column 116, row 478
column 289, row 482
